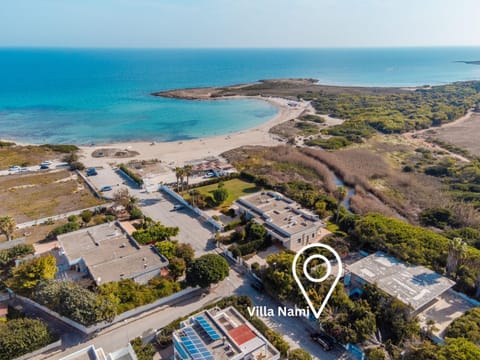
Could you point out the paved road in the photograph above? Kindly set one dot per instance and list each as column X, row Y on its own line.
column 158, row 206
column 119, row 334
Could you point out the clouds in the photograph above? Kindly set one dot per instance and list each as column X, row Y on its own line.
column 239, row 23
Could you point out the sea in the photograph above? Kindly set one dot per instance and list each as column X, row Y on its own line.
column 94, row 96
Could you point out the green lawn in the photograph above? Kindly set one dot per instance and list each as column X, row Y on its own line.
column 236, row 188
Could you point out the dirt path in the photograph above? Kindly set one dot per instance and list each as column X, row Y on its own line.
column 419, row 137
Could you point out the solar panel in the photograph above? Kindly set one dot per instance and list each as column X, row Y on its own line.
column 208, row 328
column 194, row 346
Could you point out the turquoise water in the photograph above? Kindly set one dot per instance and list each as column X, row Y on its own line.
column 101, row 96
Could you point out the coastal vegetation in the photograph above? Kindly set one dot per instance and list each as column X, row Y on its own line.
column 75, row 302
column 466, row 326
column 12, row 154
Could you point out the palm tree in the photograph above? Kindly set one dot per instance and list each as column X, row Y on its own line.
column 188, row 172
column 339, row 194
column 179, row 175
column 7, row 226
column 457, row 249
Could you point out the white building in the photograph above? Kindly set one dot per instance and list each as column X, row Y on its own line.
column 221, row 334
column 285, row 220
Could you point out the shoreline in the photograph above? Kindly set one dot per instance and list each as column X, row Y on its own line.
column 176, row 153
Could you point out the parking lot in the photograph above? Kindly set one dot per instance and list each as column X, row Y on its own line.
column 107, row 176
column 193, row 230
column 160, row 207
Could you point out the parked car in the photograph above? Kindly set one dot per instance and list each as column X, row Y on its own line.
column 46, row 162
column 106, row 188
column 257, row 285
column 24, row 169
column 14, row 168
column 91, row 172
column 323, row 340
column 178, row 207
column 44, row 166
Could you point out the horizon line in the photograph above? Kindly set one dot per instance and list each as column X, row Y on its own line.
column 237, row 48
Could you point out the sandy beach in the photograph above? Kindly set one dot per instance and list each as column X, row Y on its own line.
column 175, row 153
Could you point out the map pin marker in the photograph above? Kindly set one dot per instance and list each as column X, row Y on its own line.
column 316, row 312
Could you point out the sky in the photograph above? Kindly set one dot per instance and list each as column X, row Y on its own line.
column 238, row 23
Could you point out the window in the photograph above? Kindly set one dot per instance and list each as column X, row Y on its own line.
column 299, row 241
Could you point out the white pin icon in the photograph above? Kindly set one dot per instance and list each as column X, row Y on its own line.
column 316, row 312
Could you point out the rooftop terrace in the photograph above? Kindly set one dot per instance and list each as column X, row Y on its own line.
column 281, row 212
column 221, row 334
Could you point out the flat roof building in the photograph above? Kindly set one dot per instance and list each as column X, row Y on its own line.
column 221, row 334
column 107, row 253
column 92, row 353
column 284, row 219
column 413, row 285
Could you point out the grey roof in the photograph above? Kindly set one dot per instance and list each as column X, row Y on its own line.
column 413, row 285
column 109, row 253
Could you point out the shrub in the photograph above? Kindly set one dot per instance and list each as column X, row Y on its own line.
column 437, row 217
column 61, row 148
column 131, row 174
column 22, row 336
column 86, row 216
column 73, row 301
column 65, row 228
column 143, row 351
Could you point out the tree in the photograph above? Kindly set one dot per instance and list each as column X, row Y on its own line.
column 466, row 326
column 220, row 194
column 22, row 336
column 8, row 256
column 188, row 172
column 75, row 302
column 167, row 248
column 179, row 174
column 7, row 226
column 185, row 252
column 72, row 160
column 460, row 349
column 255, row 231
column 375, row 354
column 206, row 270
column 176, row 267
column 457, row 249
column 299, row 354
column 152, row 232
column 339, row 194
column 27, row 275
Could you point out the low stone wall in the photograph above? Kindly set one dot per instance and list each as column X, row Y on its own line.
column 218, row 226
column 45, row 349
column 61, row 216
